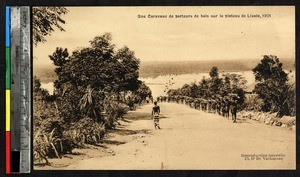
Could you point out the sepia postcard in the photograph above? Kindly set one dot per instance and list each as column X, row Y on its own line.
column 164, row 88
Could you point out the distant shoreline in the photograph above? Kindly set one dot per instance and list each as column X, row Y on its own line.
column 164, row 68
column 154, row 69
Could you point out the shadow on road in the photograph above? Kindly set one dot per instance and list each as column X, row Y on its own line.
column 137, row 116
column 129, row 132
column 114, row 142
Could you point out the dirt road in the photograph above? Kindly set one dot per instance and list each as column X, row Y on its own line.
column 190, row 139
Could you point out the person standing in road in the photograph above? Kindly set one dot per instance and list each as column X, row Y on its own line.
column 155, row 115
column 234, row 110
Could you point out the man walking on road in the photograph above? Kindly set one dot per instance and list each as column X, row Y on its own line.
column 234, row 110
column 155, row 115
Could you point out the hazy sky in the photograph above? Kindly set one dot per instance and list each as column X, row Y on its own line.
column 179, row 39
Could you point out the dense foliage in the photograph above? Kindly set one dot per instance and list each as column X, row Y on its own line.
column 45, row 20
column 215, row 87
column 272, row 86
column 93, row 89
column 272, row 92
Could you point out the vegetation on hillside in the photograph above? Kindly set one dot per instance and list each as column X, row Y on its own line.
column 272, row 92
column 93, row 89
column 215, row 87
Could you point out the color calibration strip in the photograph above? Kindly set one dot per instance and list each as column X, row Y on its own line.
column 7, row 93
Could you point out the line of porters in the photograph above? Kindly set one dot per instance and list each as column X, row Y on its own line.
column 221, row 105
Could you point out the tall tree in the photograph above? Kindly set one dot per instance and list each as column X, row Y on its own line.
column 95, row 66
column 203, row 88
column 226, row 88
column 194, row 90
column 215, row 84
column 143, row 92
column 128, row 72
column 91, row 74
column 60, row 58
column 186, row 90
column 272, row 84
column 237, row 84
column 214, row 72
